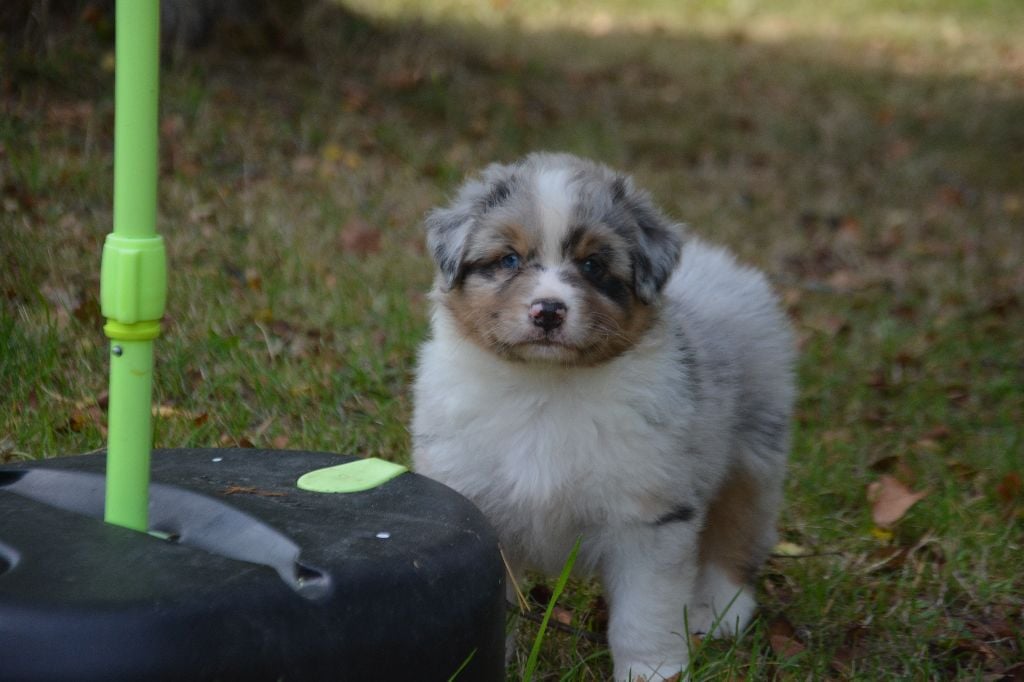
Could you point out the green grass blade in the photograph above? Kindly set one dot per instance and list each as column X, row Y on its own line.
column 563, row 578
column 573, row 671
column 463, row 666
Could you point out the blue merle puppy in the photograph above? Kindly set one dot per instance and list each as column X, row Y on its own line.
column 593, row 372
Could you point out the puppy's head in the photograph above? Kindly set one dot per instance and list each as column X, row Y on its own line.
column 552, row 259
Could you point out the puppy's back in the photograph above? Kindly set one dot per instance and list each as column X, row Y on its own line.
column 731, row 313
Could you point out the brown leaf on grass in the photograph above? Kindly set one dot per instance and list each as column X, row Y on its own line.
column 1009, row 488
column 226, row 440
column 958, row 395
column 783, row 639
column 403, row 78
column 79, row 420
column 887, row 559
column 831, row 326
column 165, row 411
column 962, row 470
column 853, row 647
column 890, row 500
column 359, row 237
column 1013, row 673
column 562, row 615
column 939, row 432
column 926, row 445
column 846, row 280
column 950, row 195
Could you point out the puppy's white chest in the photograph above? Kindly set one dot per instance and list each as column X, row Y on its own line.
column 568, row 449
column 558, row 448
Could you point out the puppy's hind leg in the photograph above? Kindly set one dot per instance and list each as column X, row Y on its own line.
column 736, row 539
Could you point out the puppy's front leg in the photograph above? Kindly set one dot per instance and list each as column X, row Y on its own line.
column 649, row 574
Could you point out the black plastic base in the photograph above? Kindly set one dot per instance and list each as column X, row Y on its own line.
column 258, row 580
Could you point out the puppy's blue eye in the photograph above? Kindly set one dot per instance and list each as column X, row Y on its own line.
column 510, row 261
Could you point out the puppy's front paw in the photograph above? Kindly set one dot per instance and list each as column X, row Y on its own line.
column 644, row 672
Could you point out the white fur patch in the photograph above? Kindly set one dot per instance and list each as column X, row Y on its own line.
column 554, row 204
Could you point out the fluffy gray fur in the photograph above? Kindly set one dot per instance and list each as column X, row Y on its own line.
column 667, row 458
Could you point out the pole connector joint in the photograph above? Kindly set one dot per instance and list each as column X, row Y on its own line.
column 133, row 286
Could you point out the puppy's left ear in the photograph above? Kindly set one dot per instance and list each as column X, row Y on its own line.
column 657, row 241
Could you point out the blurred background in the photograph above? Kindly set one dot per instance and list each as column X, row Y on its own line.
column 869, row 155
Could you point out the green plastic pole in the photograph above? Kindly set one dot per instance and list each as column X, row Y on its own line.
column 133, row 275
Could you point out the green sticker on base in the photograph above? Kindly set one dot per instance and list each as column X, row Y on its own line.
column 353, row 477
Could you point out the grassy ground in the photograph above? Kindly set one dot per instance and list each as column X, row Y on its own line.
column 869, row 155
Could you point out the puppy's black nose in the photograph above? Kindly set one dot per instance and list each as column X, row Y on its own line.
column 548, row 313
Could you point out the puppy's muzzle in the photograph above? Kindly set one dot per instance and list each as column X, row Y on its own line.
column 548, row 313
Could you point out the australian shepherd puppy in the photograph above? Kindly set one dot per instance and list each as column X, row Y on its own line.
column 594, row 373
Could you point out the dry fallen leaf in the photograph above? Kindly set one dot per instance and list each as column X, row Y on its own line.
column 78, row 421
column 1009, row 490
column 562, row 615
column 165, row 411
column 886, row 559
column 890, row 499
column 1010, row 487
column 782, row 638
column 790, row 549
column 854, row 646
column 359, row 237
column 962, row 470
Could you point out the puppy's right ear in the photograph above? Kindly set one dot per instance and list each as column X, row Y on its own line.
column 450, row 229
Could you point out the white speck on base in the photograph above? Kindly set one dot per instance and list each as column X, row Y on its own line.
column 383, row 535
column 217, row 459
